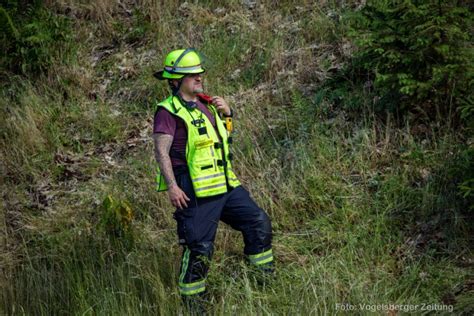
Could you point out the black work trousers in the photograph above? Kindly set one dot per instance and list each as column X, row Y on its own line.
column 197, row 226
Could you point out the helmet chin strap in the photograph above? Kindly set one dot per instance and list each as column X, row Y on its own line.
column 175, row 89
column 190, row 105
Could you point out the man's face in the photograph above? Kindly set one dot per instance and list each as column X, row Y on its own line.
column 192, row 84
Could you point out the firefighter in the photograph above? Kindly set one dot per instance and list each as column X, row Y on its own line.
column 192, row 148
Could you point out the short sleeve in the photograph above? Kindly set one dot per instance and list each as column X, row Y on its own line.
column 164, row 122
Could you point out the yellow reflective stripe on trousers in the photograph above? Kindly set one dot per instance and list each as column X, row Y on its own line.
column 262, row 258
column 192, row 288
column 185, row 263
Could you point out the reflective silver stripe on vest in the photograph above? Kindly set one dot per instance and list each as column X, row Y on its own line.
column 209, row 177
column 211, row 187
column 178, row 69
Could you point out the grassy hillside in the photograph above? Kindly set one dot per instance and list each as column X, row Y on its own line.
column 366, row 207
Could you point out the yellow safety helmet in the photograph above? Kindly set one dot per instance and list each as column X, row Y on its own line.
column 179, row 63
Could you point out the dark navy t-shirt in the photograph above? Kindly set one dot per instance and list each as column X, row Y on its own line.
column 167, row 123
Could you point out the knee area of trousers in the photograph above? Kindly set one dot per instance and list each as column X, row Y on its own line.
column 202, row 248
column 264, row 222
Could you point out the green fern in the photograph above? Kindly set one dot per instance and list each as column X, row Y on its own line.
column 32, row 38
column 8, row 28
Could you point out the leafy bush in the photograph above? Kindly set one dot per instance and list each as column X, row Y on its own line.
column 116, row 217
column 32, row 37
column 418, row 53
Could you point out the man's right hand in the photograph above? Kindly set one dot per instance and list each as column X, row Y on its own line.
column 177, row 197
column 162, row 148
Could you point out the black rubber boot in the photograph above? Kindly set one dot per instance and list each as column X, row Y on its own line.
column 264, row 274
column 195, row 304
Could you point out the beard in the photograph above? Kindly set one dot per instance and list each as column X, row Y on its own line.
column 198, row 90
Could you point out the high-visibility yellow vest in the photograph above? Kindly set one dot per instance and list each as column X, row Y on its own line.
column 208, row 158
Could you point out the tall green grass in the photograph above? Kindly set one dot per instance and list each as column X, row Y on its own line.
column 364, row 212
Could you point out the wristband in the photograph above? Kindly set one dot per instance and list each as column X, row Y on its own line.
column 231, row 114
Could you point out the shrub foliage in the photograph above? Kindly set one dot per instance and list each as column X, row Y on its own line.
column 32, row 37
column 418, row 53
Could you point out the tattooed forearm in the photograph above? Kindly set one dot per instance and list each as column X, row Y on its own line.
column 162, row 148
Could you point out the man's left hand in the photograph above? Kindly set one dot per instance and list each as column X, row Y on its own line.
column 221, row 105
